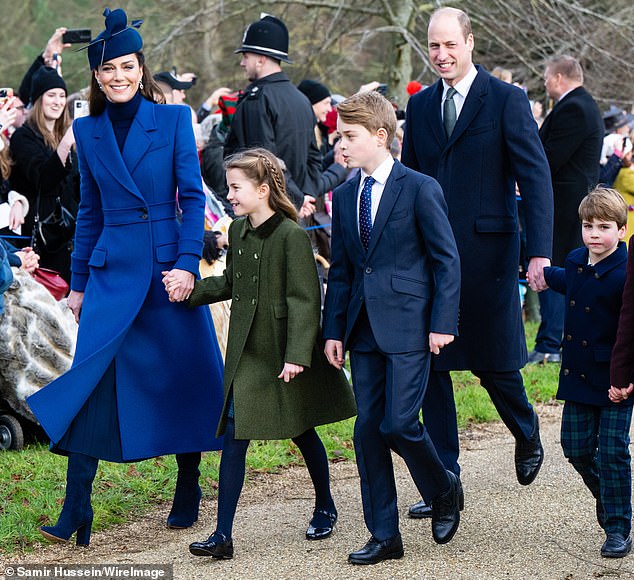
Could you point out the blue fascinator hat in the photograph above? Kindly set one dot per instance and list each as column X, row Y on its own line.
column 116, row 40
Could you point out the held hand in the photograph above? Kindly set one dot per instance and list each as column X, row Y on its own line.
column 30, row 260
column 535, row 274
column 617, row 394
column 438, row 341
column 178, row 284
column 290, row 371
column 308, row 208
column 334, row 353
column 75, row 301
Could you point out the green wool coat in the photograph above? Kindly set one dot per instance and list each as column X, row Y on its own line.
column 272, row 281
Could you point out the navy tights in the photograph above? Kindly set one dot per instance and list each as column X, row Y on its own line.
column 232, row 471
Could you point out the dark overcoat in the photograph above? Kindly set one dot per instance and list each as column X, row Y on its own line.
column 494, row 144
column 572, row 135
column 593, row 301
column 272, row 281
column 167, row 366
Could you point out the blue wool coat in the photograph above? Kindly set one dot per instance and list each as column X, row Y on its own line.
column 162, row 356
column 593, row 301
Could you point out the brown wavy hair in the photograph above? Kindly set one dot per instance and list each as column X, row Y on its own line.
column 37, row 122
column 151, row 91
column 261, row 166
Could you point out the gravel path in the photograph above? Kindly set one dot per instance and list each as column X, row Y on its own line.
column 544, row 531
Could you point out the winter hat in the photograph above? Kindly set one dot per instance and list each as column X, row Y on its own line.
column 268, row 36
column 45, row 79
column 413, row 87
column 314, row 91
column 116, row 40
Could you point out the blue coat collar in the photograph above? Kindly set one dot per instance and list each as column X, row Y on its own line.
column 579, row 257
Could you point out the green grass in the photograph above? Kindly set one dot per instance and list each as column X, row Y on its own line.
column 32, row 480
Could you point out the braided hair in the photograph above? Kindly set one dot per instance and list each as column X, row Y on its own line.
column 261, row 166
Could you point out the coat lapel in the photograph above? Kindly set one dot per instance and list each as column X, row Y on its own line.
column 433, row 114
column 139, row 138
column 472, row 105
column 390, row 194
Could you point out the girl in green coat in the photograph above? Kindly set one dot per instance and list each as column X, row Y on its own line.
column 278, row 384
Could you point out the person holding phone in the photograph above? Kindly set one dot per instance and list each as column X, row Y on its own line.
column 147, row 376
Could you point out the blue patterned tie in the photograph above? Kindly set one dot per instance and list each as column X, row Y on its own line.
column 365, row 211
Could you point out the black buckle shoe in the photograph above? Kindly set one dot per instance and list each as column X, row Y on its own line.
column 319, row 532
column 376, row 551
column 445, row 511
column 217, row 546
column 529, row 456
column 616, row 546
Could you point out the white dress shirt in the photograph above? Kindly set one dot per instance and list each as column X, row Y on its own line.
column 380, row 174
column 462, row 87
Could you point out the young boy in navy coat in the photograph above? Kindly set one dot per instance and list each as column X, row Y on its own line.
column 594, row 429
column 393, row 295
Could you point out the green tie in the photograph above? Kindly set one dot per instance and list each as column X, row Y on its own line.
column 449, row 111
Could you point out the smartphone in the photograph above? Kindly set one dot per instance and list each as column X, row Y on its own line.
column 5, row 94
column 77, row 36
column 80, row 109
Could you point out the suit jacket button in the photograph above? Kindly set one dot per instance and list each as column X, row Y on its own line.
column 583, row 377
column 566, row 372
column 572, row 303
column 368, row 270
column 569, row 337
column 579, row 270
column 587, row 309
column 584, row 343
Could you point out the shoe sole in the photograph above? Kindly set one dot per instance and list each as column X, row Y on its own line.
column 393, row 556
column 201, row 552
column 53, row 538
column 316, row 538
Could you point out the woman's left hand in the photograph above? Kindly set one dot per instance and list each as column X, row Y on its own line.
column 16, row 215
column 178, row 284
column 290, row 371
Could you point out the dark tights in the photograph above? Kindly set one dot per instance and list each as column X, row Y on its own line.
column 232, row 470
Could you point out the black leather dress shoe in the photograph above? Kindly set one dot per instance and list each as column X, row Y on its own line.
column 375, row 551
column 319, row 532
column 529, row 456
column 217, row 546
column 421, row 510
column 445, row 511
column 616, row 546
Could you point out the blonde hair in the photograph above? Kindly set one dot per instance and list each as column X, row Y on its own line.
column 261, row 166
column 604, row 204
column 37, row 121
column 370, row 110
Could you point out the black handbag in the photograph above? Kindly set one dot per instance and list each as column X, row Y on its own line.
column 55, row 231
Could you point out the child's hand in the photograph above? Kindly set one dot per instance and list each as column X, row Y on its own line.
column 178, row 284
column 438, row 340
column 290, row 371
column 334, row 353
column 617, row 394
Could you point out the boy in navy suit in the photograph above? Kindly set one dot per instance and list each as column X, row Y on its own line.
column 393, row 294
column 595, row 426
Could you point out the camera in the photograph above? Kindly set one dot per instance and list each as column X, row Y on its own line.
column 80, row 109
column 77, row 36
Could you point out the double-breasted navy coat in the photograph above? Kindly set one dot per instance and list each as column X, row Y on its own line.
column 160, row 359
column 593, row 301
column 494, row 144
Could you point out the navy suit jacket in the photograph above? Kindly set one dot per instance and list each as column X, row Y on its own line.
column 409, row 278
column 572, row 135
column 494, row 144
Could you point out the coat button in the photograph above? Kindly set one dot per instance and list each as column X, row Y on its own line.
column 584, row 343
column 572, row 303
column 566, row 372
column 254, row 301
column 596, row 276
column 143, row 215
column 368, row 270
column 579, row 270
column 240, row 252
column 569, row 337
column 583, row 377
column 238, row 275
column 237, row 297
column 254, row 279
column 256, row 256
column 586, row 309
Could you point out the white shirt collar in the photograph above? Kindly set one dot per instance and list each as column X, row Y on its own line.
column 463, row 85
column 382, row 172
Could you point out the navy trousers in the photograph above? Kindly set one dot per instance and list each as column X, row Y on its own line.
column 389, row 390
column 507, row 393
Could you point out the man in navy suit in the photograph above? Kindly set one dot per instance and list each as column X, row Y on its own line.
column 572, row 135
column 393, row 294
column 475, row 134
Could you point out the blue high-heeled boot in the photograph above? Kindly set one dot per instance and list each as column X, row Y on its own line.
column 188, row 494
column 77, row 512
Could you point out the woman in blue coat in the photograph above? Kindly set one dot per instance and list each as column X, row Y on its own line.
column 147, row 374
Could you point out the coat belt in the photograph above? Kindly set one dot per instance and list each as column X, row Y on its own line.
column 139, row 214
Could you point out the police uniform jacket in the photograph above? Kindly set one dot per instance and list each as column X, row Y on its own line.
column 272, row 281
column 593, row 300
